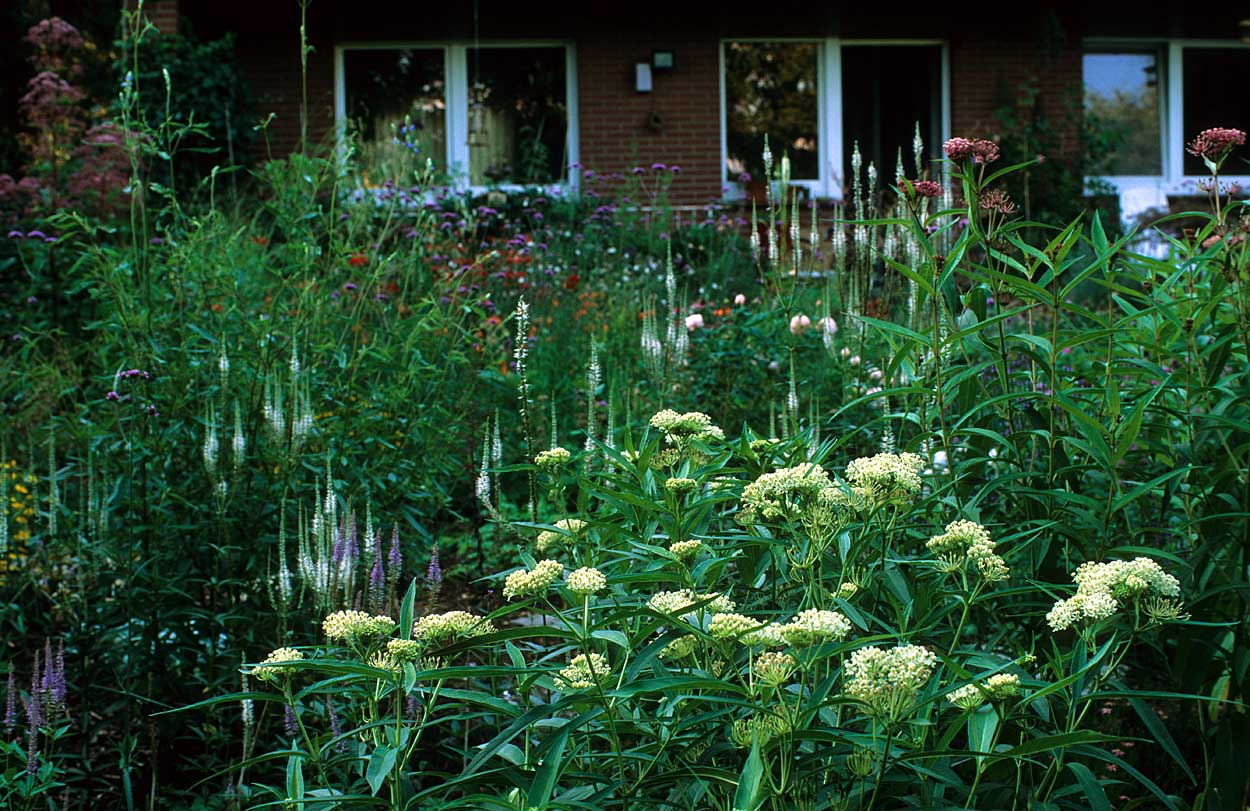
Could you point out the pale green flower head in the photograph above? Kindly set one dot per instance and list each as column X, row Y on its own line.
column 785, row 491
column 586, row 581
column 680, row 602
column 1104, row 588
column 774, row 668
column 680, row 648
column 553, row 459
column 887, row 478
column 684, row 550
column 761, row 729
column 404, row 650
column 585, row 671
column 350, row 626
column 968, row 542
column 528, row 583
column 680, row 485
column 886, row 681
column 566, row 532
column 272, row 674
column 815, row 625
column 450, row 625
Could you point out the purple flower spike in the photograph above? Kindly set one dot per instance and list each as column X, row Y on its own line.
column 377, row 586
column 10, row 703
column 289, row 722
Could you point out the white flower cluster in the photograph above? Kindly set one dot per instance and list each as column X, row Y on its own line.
column 552, row 459
column 679, row 602
column 449, row 625
column 815, row 625
column 1102, row 588
column 584, row 672
column 683, row 550
column 271, row 674
column 887, row 478
column 998, row 687
column 348, row 626
column 774, row 668
column 886, row 681
column 566, row 530
column 778, row 494
column 680, row 428
column 526, row 583
column 586, row 580
column 969, row 542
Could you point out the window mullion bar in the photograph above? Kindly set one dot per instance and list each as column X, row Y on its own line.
column 458, row 112
column 1174, row 140
column 831, row 97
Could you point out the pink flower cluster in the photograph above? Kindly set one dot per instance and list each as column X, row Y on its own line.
column 980, row 150
column 1215, row 143
column 921, row 188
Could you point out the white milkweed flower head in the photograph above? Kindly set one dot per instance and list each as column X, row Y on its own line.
column 585, row 671
column 886, row 681
column 815, row 625
column 586, row 581
column 555, row 458
column 680, row 429
column 1104, row 588
column 567, row 530
column 349, row 626
column 527, row 583
column 680, row 602
column 774, row 668
column 784, row 491
column 450, row 625
column 887, row 478
column 969, row 542
column 264, row 672
column 683, row 550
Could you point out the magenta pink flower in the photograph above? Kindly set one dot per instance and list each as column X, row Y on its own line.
column 984, row 151
column 958, row 149
column 1214, row 144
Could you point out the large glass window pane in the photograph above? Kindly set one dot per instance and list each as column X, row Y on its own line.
column 887, row 90
column 770, row 89
column 386, row 87
column 1122, row 104
column 1215, row 96
column 518, row 115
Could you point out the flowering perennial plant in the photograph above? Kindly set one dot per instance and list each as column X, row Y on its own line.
column 1103, row 589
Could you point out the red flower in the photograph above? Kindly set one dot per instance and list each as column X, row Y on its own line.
column 357, row 260
column 572, row 281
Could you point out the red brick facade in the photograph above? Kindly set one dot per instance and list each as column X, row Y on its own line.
column 675, row 124
column 679, row 122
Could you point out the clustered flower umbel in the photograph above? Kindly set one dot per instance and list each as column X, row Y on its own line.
column 683, row 550
column 887, row 478
column 350, row 626
column 886, row 681
column 809, row 627
column 450, row 625
column 1102, row 589
column 265, row 672
column 778, row 494
column 968, row 542
column 682, row 601
column 980, row 150
column 584, row 672
column 998, row 687
column 531, row 582
column 566, row 530
column 555, row 458
column 1214, row 144
column 586, row 581
column 680, row 430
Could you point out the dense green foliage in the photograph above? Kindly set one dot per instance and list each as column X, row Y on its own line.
column 937, row 508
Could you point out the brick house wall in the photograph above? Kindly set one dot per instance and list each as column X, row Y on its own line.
column 987, row 67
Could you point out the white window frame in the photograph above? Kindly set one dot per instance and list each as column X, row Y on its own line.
column 828, row 108
column 1173, row 181
column 456, row 82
